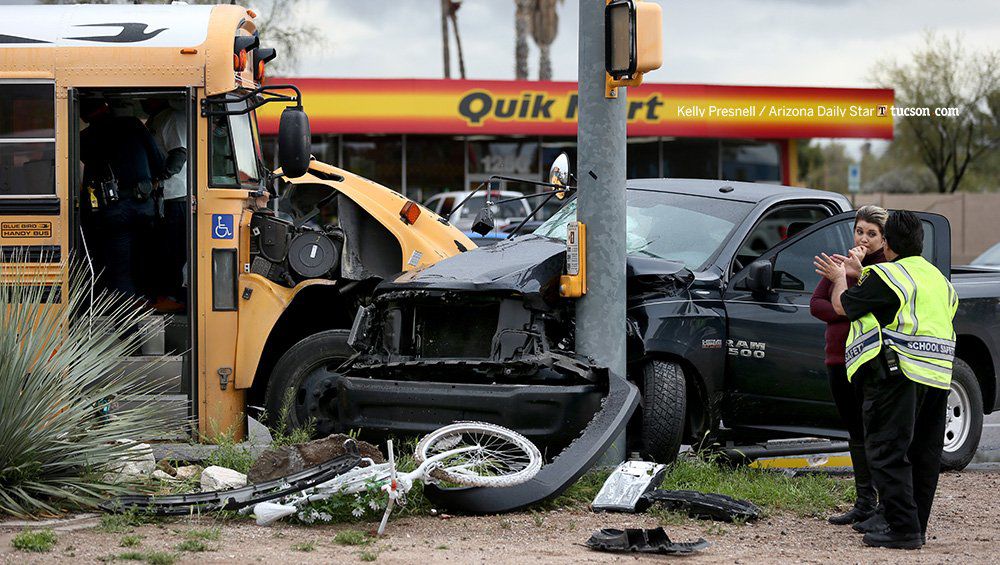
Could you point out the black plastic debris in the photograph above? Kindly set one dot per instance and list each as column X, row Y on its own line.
column 642, row 541
column 703, row 505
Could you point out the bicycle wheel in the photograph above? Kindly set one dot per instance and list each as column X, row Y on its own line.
column 499, row 457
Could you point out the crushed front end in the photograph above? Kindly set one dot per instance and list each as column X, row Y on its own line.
column 485, row 336
column 481, row 338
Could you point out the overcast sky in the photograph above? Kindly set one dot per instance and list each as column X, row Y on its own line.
column 769, row 42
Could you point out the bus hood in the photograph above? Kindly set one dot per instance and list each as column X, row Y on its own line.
column 426, row 241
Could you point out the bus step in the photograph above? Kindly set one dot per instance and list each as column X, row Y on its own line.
column 166, row 371
column 173, row 405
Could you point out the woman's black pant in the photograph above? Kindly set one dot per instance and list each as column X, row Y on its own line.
column 848, row 397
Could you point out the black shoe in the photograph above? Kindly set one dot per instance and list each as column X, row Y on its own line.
column 893, row 540
column 852, row 516
column 875, row 524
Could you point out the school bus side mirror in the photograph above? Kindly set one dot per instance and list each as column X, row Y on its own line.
column 633, row 36
column 294, row 142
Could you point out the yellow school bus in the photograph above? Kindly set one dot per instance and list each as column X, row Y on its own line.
column 257, row 275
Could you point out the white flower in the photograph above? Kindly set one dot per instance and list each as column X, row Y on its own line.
column 357, row 512
column 373, row 504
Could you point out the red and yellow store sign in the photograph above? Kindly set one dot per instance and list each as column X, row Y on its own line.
column 551, row 108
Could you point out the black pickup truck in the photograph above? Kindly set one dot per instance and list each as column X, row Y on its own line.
column 721, row 343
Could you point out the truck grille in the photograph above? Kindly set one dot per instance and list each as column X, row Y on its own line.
column 454, row 331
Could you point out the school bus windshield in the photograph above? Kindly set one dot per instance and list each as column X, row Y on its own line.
column 235, row 155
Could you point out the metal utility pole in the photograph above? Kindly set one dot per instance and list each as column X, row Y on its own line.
column 600, row 314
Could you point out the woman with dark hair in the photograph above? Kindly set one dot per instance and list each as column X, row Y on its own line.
column 869, row 240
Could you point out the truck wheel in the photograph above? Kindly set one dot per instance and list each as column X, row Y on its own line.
column 964, row 419
column 663, row 403
column 313, row 396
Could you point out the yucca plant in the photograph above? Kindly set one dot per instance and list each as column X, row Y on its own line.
column 60, row 355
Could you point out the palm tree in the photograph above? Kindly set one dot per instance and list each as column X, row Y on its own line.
column 452, row 14
column 544, row 28
column 445, row 9
column 522, row 23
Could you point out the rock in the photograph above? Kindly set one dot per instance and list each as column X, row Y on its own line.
column 221, row 478
column 138, row 462
column 166, row 467
column 274, row 463
column 163, row 476
column 188, row 472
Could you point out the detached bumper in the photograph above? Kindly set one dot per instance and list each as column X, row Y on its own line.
column 548, row 415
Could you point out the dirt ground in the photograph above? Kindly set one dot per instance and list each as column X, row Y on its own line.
column 964, row 528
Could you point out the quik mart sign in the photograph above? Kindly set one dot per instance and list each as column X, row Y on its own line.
column 552, row 108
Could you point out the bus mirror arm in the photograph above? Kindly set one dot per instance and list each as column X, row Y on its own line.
column 258, row 97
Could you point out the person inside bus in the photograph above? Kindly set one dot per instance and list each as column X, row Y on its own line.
column 168, row 125
column 120, row 161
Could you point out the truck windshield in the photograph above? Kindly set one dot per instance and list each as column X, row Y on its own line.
column 234, row 149
column 678, row 227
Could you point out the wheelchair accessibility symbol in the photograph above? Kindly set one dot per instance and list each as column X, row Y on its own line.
column 222, row 226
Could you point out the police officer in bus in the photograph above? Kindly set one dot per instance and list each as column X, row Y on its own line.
column 120, row 161
column 168, row 124
column 901, row 344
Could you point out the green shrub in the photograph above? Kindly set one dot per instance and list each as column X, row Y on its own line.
column 37, row 541
column 192, row 545
column 352, row 537
column 130, row 541
column 58, row 358
column 305, row 546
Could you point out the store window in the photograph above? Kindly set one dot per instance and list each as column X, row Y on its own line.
column 642, row 158
column 508, row 156
column 27, row 139
column 433, row 164
column 375, row 157
column 690, row 158
column 753, row 161
column 326, row 149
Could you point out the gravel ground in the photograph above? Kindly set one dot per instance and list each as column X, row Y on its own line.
column 964, row 528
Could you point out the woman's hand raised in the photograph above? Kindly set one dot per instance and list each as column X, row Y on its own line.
column 830, row 267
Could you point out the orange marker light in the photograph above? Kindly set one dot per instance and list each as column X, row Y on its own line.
column 251, row 13
column 189, row 51
column 410, row 212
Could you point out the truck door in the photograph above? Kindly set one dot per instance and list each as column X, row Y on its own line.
column 775, row 348
column 775, row 351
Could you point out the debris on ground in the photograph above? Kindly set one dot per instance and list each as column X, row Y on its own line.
column 163, row 476
column 220, row 478
column 636, row 540
column 188, row 472
column 166, row 467
column 703, row 505
column 281, row 461
column 625, row 486
column 137, row 463
column 235, row 499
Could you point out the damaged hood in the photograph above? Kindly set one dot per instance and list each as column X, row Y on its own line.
column 527, row 264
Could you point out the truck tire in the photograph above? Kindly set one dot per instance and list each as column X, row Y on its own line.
column 664, row 397
column 964, row 420
column 292, row 372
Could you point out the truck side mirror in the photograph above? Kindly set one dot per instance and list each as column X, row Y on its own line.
column 759, row 277
column 294, row 142
column 484, row 223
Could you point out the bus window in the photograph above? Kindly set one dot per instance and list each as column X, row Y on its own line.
column 27, row 139
column 235, row 155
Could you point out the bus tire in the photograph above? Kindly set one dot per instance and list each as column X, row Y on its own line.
column 292, row 371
